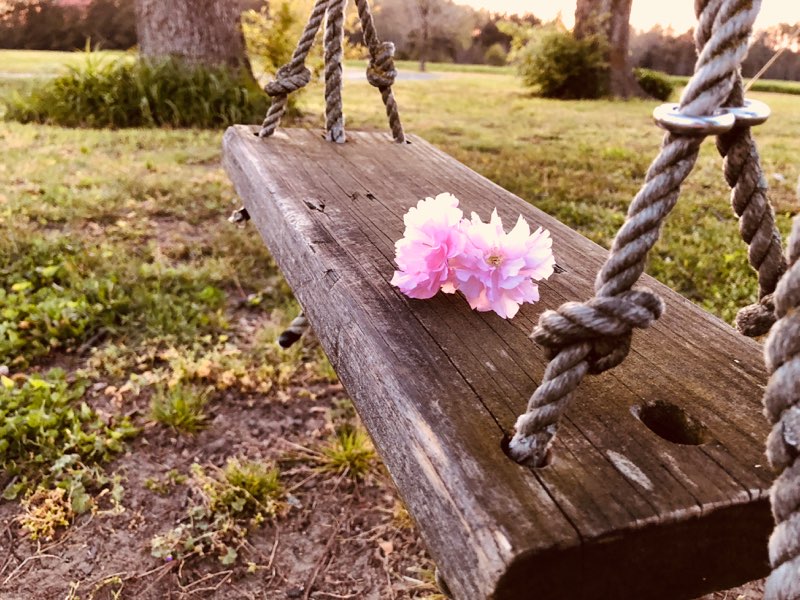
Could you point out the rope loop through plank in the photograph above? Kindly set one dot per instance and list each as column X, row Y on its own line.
column 596, row 335
column 381, row 71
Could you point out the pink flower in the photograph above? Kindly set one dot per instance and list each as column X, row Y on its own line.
column 434, row 235
column 497, row 269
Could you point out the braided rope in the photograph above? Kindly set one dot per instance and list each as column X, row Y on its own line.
column 293, row 75
column 381, row 72
column 296, row 329
column 595, row 336
column 334, row 53
column 782, row 407
column 757, row 227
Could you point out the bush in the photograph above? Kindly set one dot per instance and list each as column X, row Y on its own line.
column 557, row 65
column 496, row 55
column 127, row 92
column 654, row 83
column 270, row 36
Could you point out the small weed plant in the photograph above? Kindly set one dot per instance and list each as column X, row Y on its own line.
column 131, row 92
column 181, row 406
column 349, row 452
column 51, row 440
column 226, row 503
column 163, row 486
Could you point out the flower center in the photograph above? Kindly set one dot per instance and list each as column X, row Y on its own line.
column 494, row 260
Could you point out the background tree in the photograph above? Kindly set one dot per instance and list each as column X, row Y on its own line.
column 202, row 31
column 425, row 8
column 611, row 19
column 430, row 30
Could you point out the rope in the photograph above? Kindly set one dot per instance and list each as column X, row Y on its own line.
column 381, row 72
column 782, row 407
column 749, row 200
column 297, row 328
column 334, row 53
column 595, row 336
column 293, row 75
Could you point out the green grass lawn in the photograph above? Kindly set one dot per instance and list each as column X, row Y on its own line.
column 118, row 265
column 44, row 62
column 762, row 85
column 580, row 161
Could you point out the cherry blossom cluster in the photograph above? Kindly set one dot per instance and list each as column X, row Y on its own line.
column 441, row 250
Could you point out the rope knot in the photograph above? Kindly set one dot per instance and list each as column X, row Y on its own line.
column 756, row 319
column 288, row 80
column 606, row 323
column 381, row 71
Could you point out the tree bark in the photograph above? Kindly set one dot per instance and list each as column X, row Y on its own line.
column 610, row 18
column 201, row 31
column 425, row 13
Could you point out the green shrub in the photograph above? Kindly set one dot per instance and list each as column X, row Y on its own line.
column 496, row 55
column 654, row 83
column 128, row 92
column 557, row 65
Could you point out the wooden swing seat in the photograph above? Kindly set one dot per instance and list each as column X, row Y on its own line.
column 658, row 487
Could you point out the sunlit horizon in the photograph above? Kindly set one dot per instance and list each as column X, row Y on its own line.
column 644, row 14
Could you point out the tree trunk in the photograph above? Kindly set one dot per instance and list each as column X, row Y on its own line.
column 201, row 31
column 610, row 18
column 424, row 12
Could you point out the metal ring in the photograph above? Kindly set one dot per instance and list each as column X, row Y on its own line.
column 750, row 114
column 668, row 117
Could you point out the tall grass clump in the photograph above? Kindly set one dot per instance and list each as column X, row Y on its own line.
column 130, row 92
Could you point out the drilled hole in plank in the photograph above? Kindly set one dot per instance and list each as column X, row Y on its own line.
column 671, row 423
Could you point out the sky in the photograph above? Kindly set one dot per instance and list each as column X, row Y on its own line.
column 644, row 14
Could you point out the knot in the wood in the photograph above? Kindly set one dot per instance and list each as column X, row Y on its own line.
column 288, row 80
column 604, row 322
column 381, row 71
column 756, row 319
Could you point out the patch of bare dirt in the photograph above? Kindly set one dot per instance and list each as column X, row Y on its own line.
column 337, row 538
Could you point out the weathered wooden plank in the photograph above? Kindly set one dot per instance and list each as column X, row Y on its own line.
column 621, row 512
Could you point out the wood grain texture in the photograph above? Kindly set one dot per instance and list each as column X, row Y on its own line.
column 621, row 512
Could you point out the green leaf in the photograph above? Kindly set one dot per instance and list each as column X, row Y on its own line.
column 38, row 384
column 229, row 557
column 21, row 286
column 63, row 462
column 12, row 490
column 49, row 271
column 81, row 501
